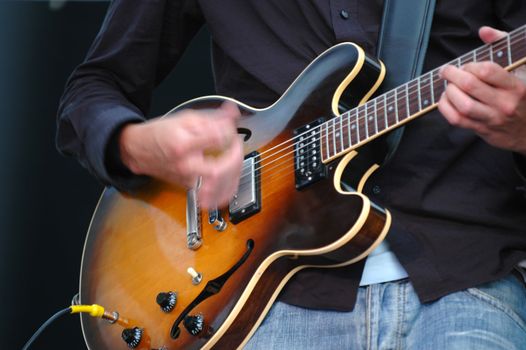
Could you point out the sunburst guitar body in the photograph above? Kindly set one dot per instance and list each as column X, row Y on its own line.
column 179, row 277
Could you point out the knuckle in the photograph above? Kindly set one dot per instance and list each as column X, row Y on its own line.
column 174, row 150
column 466, row 107
column 509, row 108
column 486, row 70
column 468, row 84
column 453, row 119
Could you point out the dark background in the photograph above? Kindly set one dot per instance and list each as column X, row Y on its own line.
column 46, row 200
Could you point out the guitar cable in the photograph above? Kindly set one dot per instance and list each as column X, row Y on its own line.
column 93, row 310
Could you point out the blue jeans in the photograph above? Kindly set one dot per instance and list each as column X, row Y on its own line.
column 390, row 316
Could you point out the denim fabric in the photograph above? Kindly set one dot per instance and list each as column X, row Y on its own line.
column 390, row 316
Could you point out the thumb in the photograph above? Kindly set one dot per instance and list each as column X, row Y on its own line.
column 229, row 110
column 489, row 34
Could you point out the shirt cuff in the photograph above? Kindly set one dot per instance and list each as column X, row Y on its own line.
column 102, row 151
column 121, row 177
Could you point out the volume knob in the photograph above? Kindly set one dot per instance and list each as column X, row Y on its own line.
column 166, row 301
column 132, row 336
column 194, row 324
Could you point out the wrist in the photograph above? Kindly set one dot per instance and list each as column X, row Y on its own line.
column 128, row 138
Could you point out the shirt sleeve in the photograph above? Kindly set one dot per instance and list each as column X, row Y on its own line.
column 137, row 46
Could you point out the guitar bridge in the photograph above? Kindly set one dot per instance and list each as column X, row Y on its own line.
column 308, row 167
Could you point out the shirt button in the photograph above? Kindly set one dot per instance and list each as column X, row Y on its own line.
column 344, row 14
column 376, row 189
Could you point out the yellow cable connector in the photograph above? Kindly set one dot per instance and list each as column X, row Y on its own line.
column 94, row 310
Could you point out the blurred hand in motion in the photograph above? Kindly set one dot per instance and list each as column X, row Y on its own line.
column 187, row 145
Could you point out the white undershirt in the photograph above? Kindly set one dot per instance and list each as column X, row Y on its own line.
column 382, row 266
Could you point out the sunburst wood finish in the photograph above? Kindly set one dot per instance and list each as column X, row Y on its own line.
column 136, row 244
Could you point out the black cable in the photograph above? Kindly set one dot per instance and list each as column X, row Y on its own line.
column 47, row 323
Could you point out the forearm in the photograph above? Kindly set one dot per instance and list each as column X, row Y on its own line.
column 137, row 45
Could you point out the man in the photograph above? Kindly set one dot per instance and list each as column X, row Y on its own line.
column 454, row 189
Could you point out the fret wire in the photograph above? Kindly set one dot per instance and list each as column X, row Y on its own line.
column 375, row 115
column 407, row 100
column 357, row 127
column 425, row 81
column 342, row 146
column 509, row 50
column 385, row 112
column 334, row 136
column 432, row 88
column 366, row 119
column 418, row 94
column 491, row 53
column 396, row 105
column 353, row 127
column 349, row 127
column 327, row 140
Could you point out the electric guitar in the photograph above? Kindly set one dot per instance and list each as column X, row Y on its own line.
column 178, row 277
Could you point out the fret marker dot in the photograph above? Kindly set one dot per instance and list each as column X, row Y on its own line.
column 426, row 102
column 337, row 134
column 370, row 118
column 500, row 54
column 353, row 126
column 390, row 109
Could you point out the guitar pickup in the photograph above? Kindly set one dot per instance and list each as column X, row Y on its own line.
column 247, row 200
column 308, row 166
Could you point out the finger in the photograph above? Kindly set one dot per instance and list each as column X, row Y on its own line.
column 230, row 110
column 455, row 118
column 468, row 82
column 489, row 34
column 468, row 106
column 492, row 74
column 204, row 132
column 221, row 176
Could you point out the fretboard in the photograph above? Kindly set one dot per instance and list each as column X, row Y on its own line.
column 410, row 100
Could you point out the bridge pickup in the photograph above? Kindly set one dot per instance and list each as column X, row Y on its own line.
column 308, row 167
column 247, row 200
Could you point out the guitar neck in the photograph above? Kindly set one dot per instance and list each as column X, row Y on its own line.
column 410, row 100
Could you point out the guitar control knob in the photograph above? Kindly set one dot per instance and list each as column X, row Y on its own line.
column 132, row 336
column 166, row 301
column 194, row 324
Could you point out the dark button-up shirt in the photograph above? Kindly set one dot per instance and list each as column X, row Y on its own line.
column 459, row 214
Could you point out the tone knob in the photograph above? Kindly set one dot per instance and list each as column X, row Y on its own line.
column 166, row 301
column 132, row 336
column 194, row 324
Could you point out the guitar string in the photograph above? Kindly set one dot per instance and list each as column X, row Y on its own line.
column 356, row 120
column 395, row 94
column 481, row 57
column 485, row 48
column 481, row 54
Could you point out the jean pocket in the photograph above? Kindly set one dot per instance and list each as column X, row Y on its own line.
column 507, row 295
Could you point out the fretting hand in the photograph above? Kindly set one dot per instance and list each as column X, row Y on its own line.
column 487, row 99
